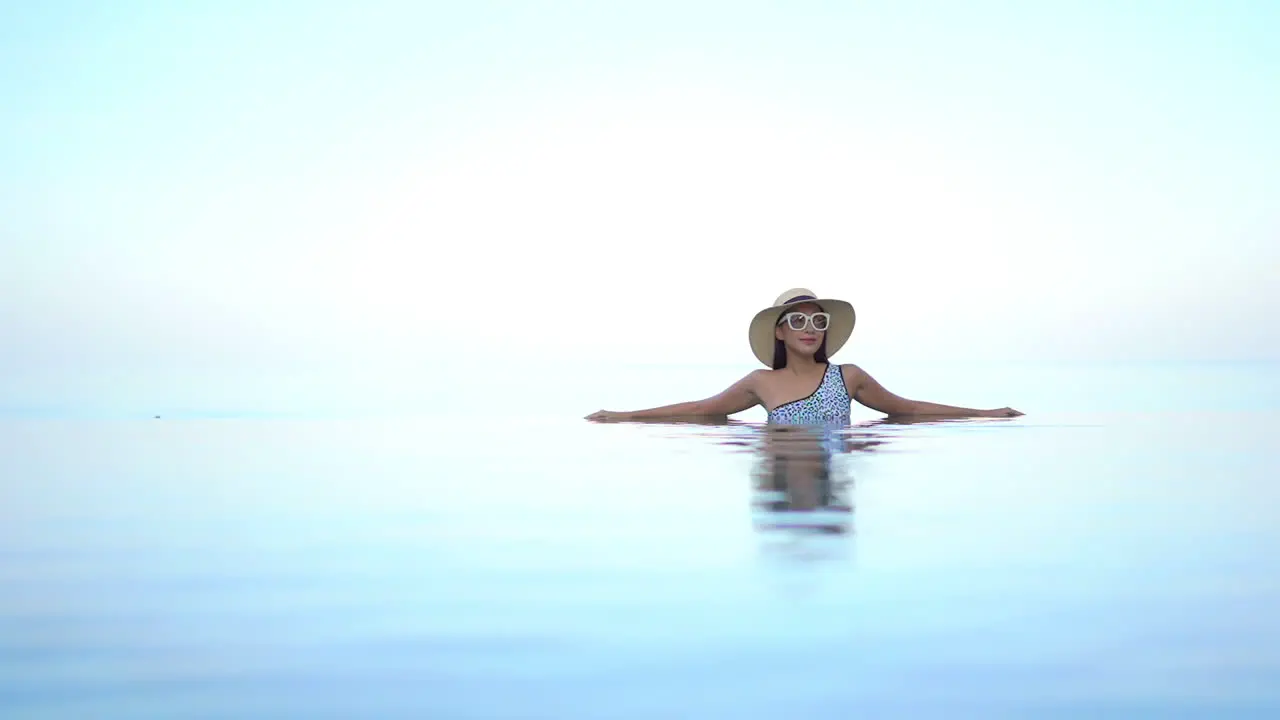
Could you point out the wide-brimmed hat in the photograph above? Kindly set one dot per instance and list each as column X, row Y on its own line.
column 762, row 325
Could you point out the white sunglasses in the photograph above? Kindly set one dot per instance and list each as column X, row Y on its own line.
column 798, row 320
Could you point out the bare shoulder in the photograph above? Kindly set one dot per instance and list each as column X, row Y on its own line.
column 739, row 396
column 764, row 375
column 851, row 371
column 853, row 376
column 753, row 379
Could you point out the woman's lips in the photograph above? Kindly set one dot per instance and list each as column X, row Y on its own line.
column 809, row 341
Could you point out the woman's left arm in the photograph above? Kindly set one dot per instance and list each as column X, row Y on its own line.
column 867, row 391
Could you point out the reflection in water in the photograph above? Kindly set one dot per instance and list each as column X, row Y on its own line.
column 801, row 478
column 800, row 482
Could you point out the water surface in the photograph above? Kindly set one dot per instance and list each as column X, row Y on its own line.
column 1072, row 563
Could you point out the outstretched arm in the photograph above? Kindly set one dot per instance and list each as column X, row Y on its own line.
column 866, row 390
column 736, row 398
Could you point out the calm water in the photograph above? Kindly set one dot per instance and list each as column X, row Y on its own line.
column 1115, row 553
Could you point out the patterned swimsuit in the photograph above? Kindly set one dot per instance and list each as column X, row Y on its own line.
column 828, row 405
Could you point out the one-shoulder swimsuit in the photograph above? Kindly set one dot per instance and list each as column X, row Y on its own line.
column 828, row 405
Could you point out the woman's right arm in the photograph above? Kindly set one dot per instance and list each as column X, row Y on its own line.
column 736, row 398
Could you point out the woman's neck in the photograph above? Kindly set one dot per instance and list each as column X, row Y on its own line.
column 802, row 364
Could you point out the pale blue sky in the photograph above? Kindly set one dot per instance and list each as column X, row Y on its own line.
column 234, row 189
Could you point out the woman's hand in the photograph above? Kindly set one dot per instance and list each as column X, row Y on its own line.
column 608, row 416
column 1001, row 412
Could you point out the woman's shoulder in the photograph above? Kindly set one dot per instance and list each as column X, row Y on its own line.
column 852, row 375
column 761, row 377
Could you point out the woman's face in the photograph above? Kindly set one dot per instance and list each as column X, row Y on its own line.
column 800, row 330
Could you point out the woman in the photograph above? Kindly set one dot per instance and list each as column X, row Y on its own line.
column 793, row 337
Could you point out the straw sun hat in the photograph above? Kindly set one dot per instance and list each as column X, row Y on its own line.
column 762, row 325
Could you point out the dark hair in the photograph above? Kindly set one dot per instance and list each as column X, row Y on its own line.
column 780, row 350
